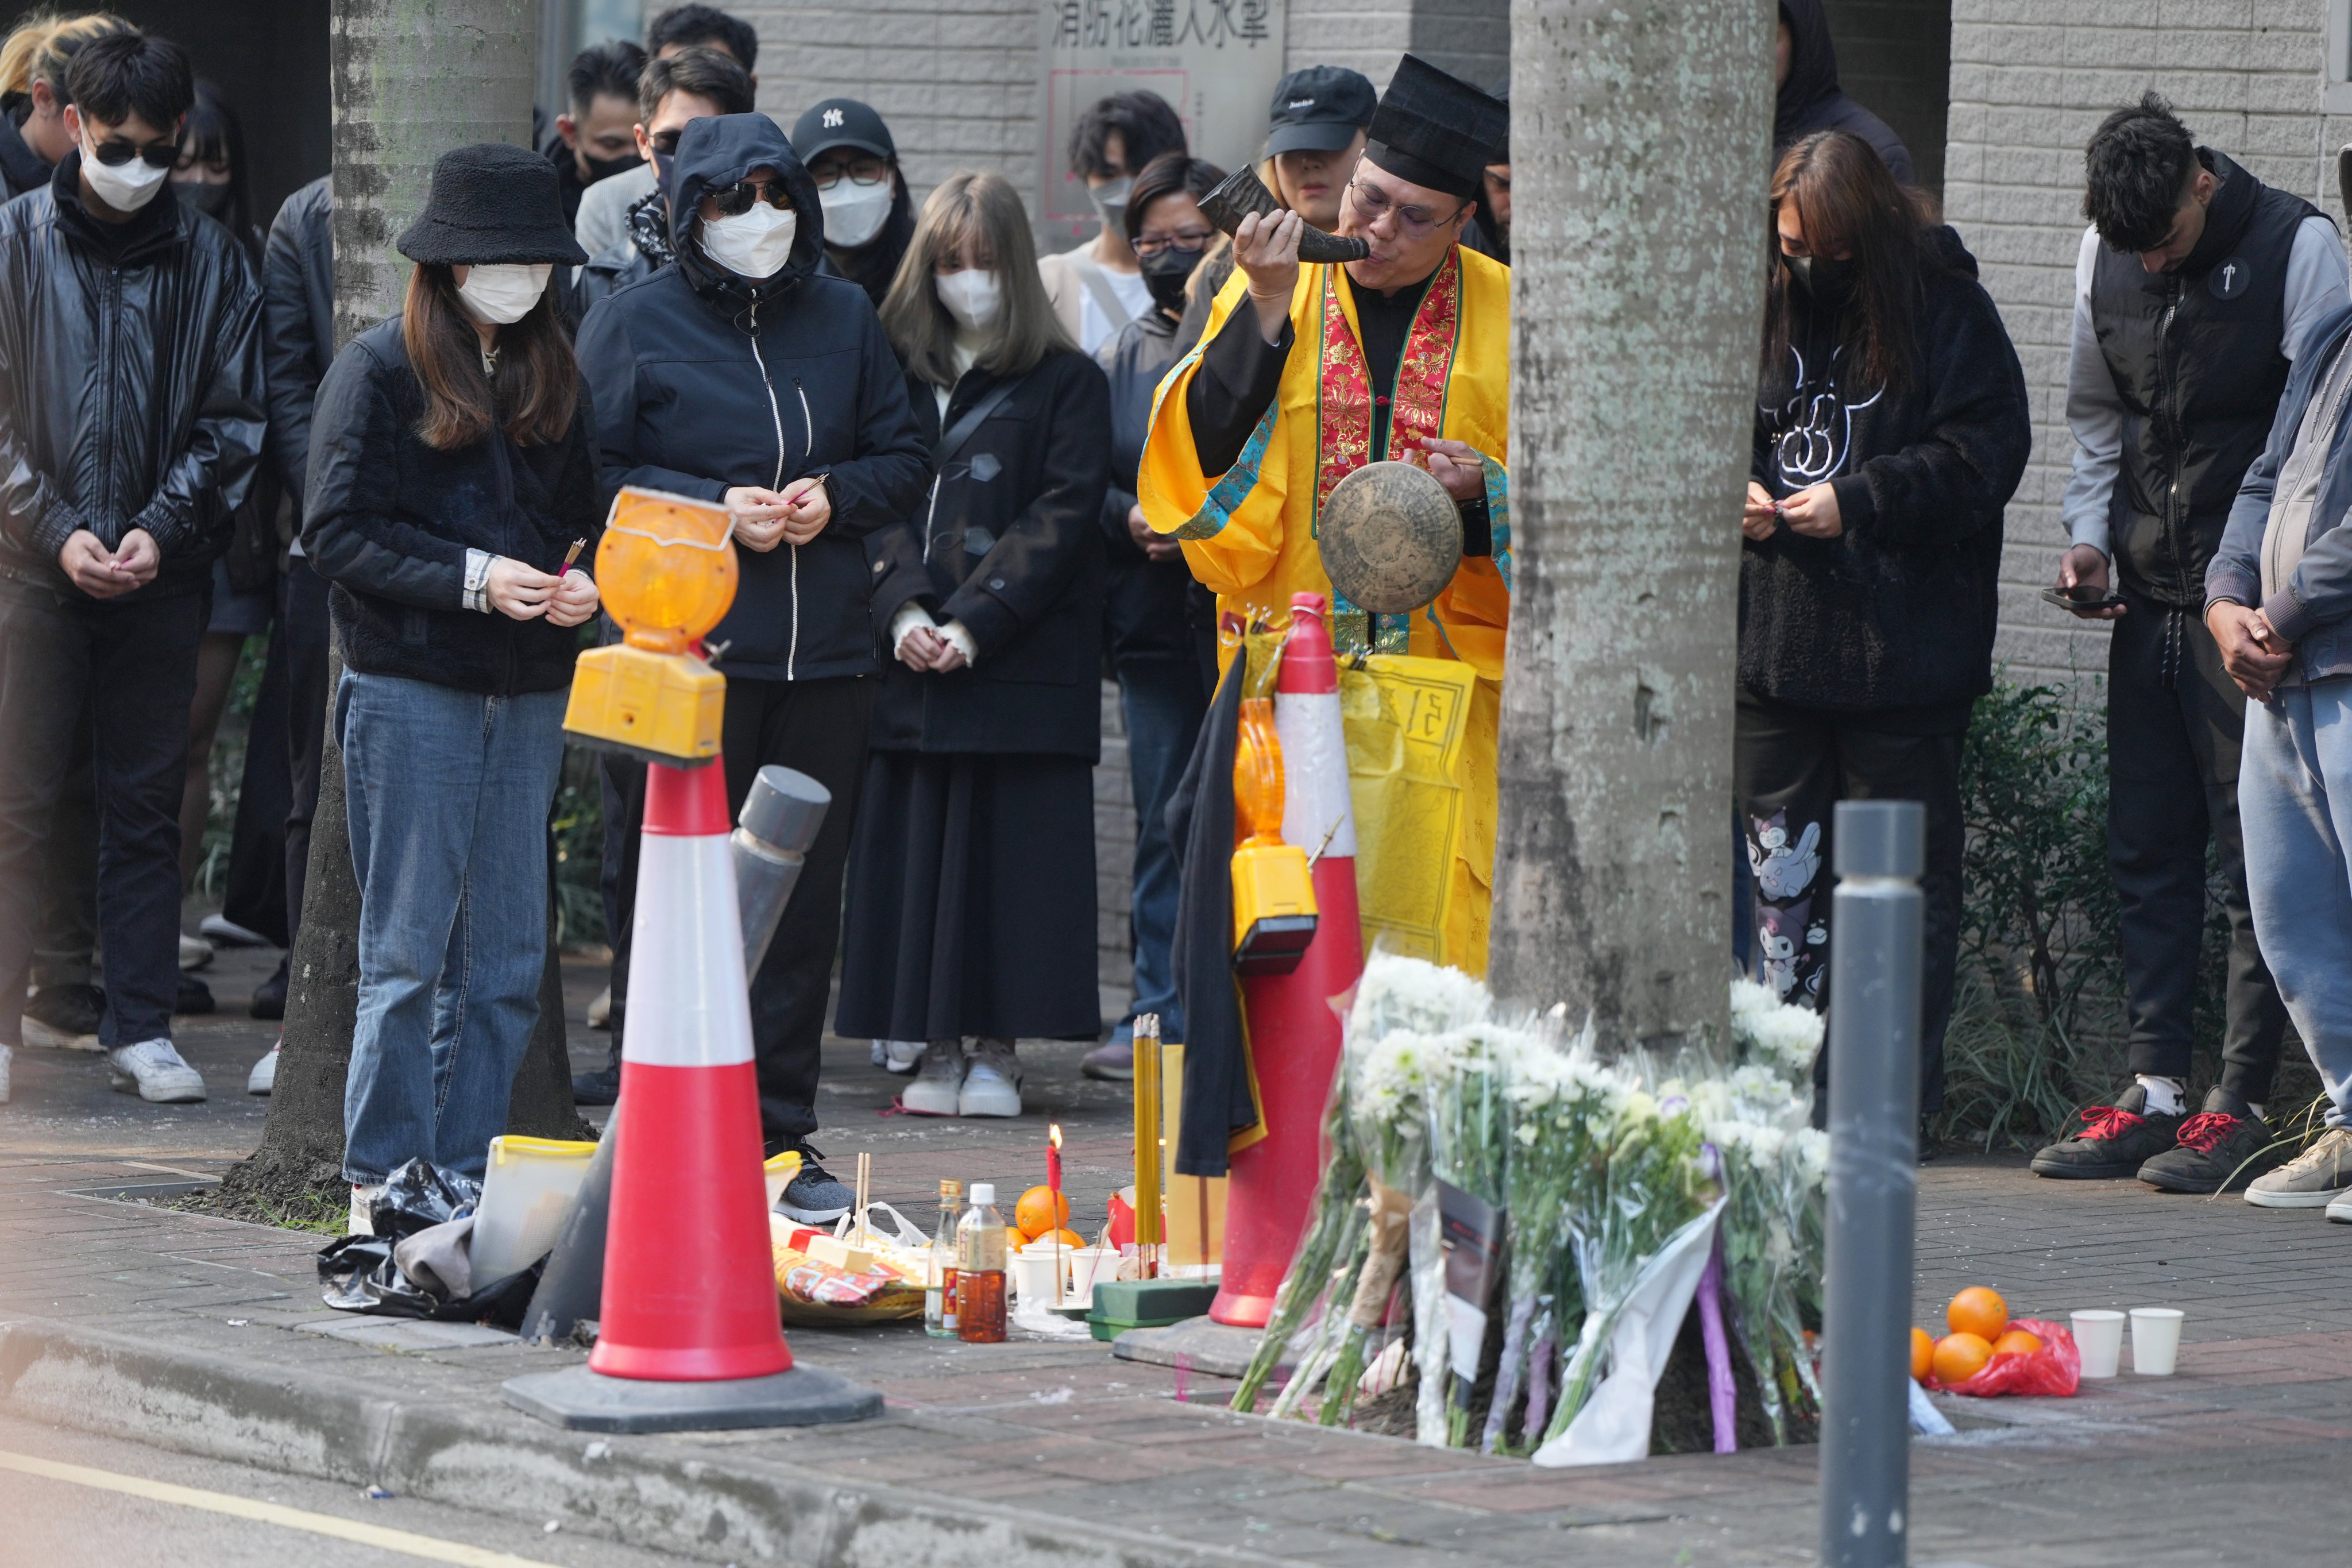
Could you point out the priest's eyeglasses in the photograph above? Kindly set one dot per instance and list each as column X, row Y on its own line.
column 1373, row 203
column 1189, row 242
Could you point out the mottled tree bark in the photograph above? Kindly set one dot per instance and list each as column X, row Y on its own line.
column 412, row 79
column 1640, row 145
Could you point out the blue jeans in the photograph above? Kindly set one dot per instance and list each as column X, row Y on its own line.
column 446, row 796
column 1164, row 705
column 2295, row 805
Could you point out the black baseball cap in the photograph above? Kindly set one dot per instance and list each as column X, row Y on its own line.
column 1319, row 109
column 841, row 122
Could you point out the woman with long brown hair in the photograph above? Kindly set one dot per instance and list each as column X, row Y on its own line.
column 971, row 891
column 451, row 472
column 1891, row 429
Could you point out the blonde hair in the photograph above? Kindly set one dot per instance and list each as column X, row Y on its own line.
column 982, row 214
column 36, row 48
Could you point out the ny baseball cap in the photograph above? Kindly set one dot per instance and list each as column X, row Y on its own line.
column 841, row 122
column 1319, row 109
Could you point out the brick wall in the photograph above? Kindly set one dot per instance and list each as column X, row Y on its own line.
column 2027, row 90
column 1895, row 55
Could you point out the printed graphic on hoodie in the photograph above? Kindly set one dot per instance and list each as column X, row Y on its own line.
column 1816, row 423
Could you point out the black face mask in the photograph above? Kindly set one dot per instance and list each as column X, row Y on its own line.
column 1829, row 280
column 1166, row 274
column 211, row 200
column 605, row 168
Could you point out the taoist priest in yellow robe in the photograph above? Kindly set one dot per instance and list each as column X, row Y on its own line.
column 1308, row 372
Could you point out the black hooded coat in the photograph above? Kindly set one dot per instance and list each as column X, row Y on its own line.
column 1811, row 99
column 704, row 379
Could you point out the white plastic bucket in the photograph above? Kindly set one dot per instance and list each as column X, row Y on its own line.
column 526, row 1190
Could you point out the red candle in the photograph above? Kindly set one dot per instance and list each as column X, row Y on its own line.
column 1054, row 1165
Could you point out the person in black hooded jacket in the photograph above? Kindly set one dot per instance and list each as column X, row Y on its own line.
column 130, row 423
column 1809, row 98
column 1891, row 429
column 738, row 374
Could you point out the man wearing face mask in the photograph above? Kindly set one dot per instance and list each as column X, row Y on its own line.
column 741, row 375
column 687, row 85
column 131, row 420
column 1308, row 372
column 868, row 218
column 593, row 141
column 1097, row 289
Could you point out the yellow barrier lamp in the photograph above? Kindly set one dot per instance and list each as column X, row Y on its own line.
column 1273, row 887
column 667, row 572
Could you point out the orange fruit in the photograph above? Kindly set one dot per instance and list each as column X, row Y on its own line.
column 1959, row 1357
column 1978, row 1311
column 1923, row 1355
column 1069, row 1237
column 1036, row 1211
column 2017, row 1341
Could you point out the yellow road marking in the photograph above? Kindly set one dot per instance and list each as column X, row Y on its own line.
column 426, row 1546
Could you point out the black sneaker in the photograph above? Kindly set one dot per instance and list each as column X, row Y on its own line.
column 269, row 996
column 2221, row 1149
column 814, row 1196
column 2116, row 1141
column 64, row 1018
column 195, row 997
column 603, row 1088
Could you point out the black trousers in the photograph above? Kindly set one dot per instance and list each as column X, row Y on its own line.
column 818, row 727
column 302, row 621
column 1791, row 767
column 64, row 944
column 133, row 666
column 2175, row 721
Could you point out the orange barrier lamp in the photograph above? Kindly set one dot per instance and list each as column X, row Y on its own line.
column 1273, row 887
column 666, row 571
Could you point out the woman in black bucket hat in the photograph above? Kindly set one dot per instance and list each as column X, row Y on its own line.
column 450, row 471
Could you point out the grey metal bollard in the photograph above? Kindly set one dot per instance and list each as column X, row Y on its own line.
column 1873, row 1048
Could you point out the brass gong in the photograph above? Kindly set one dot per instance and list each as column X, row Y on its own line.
column 1390, row 538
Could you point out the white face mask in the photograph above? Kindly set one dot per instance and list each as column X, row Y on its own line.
column 125, row 187
column 502, row 292
column 974, row 298
column 855, row 214
column 754, row 244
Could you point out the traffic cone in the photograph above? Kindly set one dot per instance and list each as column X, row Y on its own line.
column 1294, row 1033
column 689, row 1286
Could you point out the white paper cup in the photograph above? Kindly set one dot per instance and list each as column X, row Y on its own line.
column 1089, row 1265
column 2156, row 1339
column 1032, row 1277
column 2099, row 1335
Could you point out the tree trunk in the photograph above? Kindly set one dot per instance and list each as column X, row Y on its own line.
column 412, row 79
column 1640, row 142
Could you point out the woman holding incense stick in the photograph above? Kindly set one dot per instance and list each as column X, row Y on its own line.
column 450, row 472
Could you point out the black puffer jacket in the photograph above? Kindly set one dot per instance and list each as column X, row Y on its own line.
column 1899, row 610
column 705, row 381
column 298, row 292
column 131, row 391
column 1811, row 100
column 388, row 521
column 1016, row 552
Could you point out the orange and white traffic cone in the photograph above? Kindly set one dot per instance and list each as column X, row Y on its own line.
column 690, row 1336
column 1295, row 1036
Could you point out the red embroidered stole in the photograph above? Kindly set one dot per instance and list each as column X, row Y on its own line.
column 1416, row 415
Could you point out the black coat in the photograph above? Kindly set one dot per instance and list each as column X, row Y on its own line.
column 1015, row 554
column 131, row 382
column 1811, row 99
column 1154, row 609
column 297, row 293
column 21, row 168
column 704, row 381
column 1898, row 611
column 388, row 521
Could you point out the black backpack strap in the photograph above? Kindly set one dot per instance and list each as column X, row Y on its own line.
column 952, row 440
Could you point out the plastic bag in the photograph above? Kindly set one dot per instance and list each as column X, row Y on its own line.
column 2054, row 1371
column 360, row 1274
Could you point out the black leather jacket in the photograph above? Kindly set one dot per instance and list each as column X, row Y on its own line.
column 131, row 382
column 297, row 290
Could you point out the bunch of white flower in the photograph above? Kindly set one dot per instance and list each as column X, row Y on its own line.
column 1774, row 1032
column 1398, row 992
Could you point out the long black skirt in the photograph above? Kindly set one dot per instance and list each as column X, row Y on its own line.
column 972, row 899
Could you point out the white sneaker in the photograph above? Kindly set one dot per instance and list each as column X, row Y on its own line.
column 900, row 1057
column 939, row 1079
column 264, row 1076
column 361, row 1221
column 991, row 1086
column 228, row 933
column 154, row 1071
column 195, row 952
column 7, row 1060
column 600, row 1011
column 41, row 1036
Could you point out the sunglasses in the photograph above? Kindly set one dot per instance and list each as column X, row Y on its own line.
column 736, row 200
column 115, row 152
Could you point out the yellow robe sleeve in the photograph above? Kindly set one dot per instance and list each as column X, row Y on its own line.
column 1231, row 525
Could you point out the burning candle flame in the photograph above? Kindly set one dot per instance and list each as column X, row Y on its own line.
column 1054, row 1135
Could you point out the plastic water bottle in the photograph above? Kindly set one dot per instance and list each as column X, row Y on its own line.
column 939, row 1281
column 980, row 1269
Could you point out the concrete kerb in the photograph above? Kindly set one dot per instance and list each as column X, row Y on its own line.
column 722, row 1506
